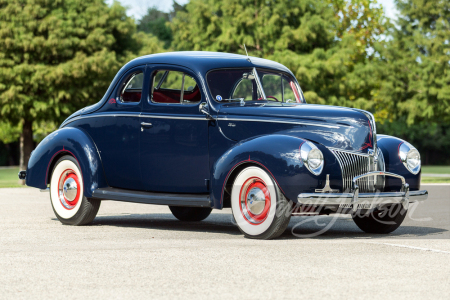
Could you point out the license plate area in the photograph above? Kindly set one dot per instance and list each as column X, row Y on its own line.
column 360, row 205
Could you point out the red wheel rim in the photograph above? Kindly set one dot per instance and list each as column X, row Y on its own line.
column 69, row 189
column 255, row 200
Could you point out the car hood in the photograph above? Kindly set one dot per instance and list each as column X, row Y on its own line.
column 332, row 126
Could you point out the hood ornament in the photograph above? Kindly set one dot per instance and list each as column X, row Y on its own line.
column 327, row 188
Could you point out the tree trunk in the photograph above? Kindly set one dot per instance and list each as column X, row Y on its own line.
column 26, row 145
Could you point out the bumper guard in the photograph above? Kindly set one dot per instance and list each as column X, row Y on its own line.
column 357, row 200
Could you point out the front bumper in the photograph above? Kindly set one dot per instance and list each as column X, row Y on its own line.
column 356, row 200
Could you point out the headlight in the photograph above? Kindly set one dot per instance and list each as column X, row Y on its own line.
column 410, row 157
column 312, row 157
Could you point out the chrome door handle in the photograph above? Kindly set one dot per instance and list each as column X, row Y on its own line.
column 146, row 125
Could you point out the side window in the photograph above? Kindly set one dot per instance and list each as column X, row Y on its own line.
column 174, row 87
column 131, row 88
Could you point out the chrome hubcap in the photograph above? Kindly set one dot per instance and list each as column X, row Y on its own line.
column 256, row 200
column 69, row 193
column 70, row 189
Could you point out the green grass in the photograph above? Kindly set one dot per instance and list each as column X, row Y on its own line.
column 435, row 179
column 8, row 178
column 436, row 169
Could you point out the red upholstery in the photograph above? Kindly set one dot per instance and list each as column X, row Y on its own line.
column 194, row 95
column 131, row 96
column 173, row 96
column 166, row 96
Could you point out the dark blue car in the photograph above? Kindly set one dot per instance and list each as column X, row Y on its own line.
column 199, row 131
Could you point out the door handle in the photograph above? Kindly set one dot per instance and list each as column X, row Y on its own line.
column 146, row 125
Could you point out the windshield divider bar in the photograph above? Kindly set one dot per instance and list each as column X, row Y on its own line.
column 259, row 84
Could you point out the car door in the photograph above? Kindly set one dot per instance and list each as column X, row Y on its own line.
column 174, row 133
column 117, row 138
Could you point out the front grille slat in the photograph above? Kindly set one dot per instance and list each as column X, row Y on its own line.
column 355, row 164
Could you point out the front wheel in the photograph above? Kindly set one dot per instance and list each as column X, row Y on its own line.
column 259, row 208
column 70, row 205
column 381, row 221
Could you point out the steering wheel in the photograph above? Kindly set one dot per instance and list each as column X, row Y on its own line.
column 270, row 97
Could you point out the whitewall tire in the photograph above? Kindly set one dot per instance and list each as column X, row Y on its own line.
column 259, row 208
column 70, row 205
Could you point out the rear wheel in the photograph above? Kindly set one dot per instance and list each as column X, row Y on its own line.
column 381, row 221
column 70, row 205
column 190, row 214
column 259, row 208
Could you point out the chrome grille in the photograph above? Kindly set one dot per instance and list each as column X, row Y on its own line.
column 354, row 164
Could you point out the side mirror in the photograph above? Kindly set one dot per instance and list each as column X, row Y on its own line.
column 204, row 109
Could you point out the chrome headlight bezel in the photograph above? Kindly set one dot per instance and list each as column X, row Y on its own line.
column 410, row 157
column 312, row 157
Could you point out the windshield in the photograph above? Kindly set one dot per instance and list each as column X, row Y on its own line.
column 250, row 84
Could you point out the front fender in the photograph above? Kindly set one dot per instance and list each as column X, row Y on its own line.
column 389, row 145
column 66, row 141
column 279, row 155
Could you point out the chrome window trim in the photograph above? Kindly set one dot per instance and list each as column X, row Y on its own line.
column 117, row 92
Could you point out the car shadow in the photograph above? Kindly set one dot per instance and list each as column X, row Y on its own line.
column 215, row 223
column 299, row 227
column 329, row 227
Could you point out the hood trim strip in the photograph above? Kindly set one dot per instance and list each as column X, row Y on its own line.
column 276, row 121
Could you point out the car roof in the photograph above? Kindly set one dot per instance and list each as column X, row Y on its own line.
column 204, row 61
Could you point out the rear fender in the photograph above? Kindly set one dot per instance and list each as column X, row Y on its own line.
column 66, row 141
column 278, row 155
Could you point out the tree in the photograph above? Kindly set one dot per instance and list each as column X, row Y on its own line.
column 156, row 22
column 418, row 61
column 327, row 44
column 59, row 56
column 415, row 84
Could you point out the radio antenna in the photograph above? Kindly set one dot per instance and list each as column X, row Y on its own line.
column 248, row 58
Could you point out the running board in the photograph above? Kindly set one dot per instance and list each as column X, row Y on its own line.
column 194, row 200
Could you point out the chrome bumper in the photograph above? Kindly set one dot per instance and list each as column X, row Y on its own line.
column 356, row 200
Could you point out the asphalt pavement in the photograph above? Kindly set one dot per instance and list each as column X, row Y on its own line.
column 139, row 251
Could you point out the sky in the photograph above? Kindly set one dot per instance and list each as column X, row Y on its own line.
column 138, row 8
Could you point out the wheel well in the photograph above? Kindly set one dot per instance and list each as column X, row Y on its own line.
column 229, row 183
column 52, row 164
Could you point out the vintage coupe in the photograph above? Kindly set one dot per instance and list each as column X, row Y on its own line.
column 199, row 131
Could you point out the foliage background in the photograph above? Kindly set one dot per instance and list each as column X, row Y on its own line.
column 343, row 52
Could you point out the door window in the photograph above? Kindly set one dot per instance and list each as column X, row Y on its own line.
column 174, row 87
